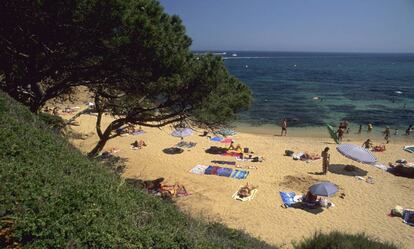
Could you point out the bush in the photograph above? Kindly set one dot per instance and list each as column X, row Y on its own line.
column 338, row 240
column 52, row 196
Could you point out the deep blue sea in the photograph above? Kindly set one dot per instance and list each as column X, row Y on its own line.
column 312, row 89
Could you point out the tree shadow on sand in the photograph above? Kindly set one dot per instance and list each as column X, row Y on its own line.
column 348, row 170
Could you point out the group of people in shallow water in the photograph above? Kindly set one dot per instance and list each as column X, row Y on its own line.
column 343, row 128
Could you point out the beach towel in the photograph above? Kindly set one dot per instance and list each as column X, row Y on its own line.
column 184, row 144
column 216, row 139
column 298, row 155
column 288, row 199
column 233, row 154
column 408, row 217
column 136, row 133
column 227, row 141
column 211, row 170
column 249, row 198
column 223, row 162
column 224, row 172
column 240, row 174
column 381, row 166
column 198, row 169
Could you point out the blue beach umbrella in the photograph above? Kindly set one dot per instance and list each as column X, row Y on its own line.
column 323, row 189
column 356, row 153
column 182, row 132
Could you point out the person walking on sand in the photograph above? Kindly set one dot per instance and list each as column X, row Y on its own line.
column 360, row 129
column 284, row 127
column 325, row 160
column 387, row 134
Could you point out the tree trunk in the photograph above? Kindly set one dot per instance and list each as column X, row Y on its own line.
column 99, row 146
column 105, row 136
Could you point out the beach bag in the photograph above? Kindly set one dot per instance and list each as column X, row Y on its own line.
column 246, row 150
column 289, row 152
column 397, row 211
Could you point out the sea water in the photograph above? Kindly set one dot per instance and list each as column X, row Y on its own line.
column 314, row 89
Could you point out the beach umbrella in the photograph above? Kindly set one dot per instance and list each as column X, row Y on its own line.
column 332, row 133
column 323, row 189
column 409, row 148
column 356, row 153
column 182, row 132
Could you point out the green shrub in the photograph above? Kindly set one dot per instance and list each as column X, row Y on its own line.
column 52, row 121
column 338, row 240
column 52, row 196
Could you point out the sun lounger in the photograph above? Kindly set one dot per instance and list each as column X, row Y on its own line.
column 249, row 198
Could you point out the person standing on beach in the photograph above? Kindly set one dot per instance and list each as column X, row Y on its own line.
column 325, row 160
column 284, row 127
column 387, row 134
column 369, row 127
column 360, row 129
column 340, row 133
column 408, row 131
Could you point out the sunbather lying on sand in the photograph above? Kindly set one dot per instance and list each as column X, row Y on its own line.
column 246, row 191
column 379, row 148
column 310, row 156
column 138, row 144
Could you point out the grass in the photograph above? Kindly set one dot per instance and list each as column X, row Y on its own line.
column 338, row 240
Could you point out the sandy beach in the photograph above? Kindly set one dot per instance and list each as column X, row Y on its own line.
column 364, row 208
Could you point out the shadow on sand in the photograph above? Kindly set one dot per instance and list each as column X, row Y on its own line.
column 348, row 170
column 301, row 206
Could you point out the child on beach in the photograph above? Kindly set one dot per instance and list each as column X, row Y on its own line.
column 325, row 160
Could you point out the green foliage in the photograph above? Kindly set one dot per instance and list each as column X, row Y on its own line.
column 52, row 121
column 48, row 47
column 55, row 197
column 338, row 240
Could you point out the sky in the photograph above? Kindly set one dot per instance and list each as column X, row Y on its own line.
column 298, row 25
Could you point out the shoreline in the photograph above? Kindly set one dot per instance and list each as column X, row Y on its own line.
column 320, row 132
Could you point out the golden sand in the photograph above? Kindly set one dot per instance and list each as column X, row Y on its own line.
column 364, row 208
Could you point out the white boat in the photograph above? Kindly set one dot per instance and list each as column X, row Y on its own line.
column 234, row 55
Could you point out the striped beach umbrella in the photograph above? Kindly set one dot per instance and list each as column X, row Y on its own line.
column 356, row 153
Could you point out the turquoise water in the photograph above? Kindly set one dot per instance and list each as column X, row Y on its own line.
column 311, row 89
